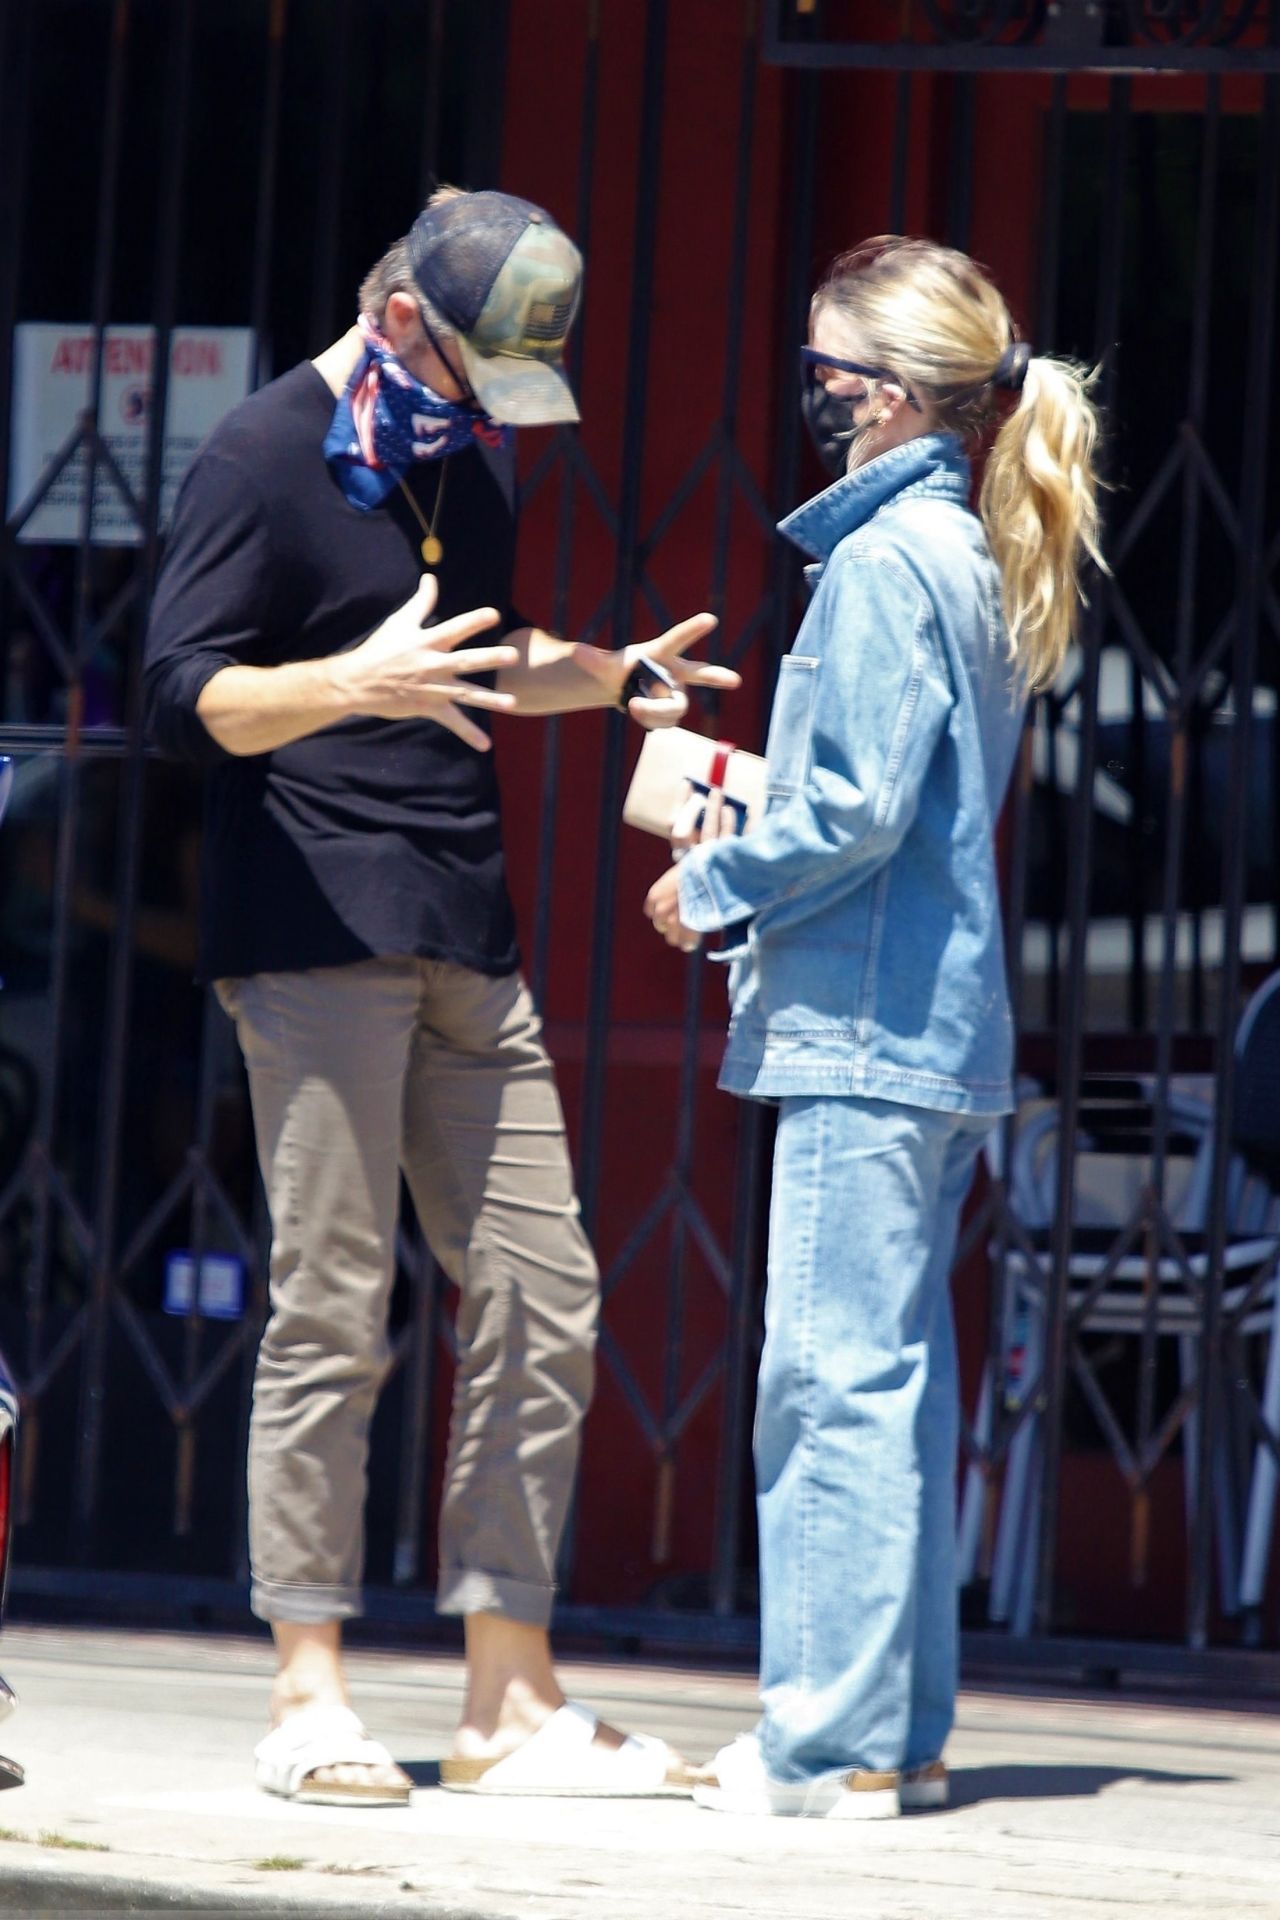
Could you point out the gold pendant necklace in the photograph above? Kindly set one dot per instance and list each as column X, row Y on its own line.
column 432, row 547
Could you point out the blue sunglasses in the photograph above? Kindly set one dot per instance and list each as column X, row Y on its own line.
column 811, row 359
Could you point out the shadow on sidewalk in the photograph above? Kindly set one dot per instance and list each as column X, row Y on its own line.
column 970, row 1786
column 423, row 1773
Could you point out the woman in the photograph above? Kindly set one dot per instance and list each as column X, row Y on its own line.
column 869, row 994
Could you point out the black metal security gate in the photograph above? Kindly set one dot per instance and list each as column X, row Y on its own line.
column 1142, row 847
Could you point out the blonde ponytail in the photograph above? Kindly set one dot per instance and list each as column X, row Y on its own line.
column 932, row 316
column 1039, row 505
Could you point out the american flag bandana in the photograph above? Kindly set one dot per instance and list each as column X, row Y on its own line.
column 387, row 422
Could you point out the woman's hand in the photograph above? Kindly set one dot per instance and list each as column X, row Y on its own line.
column 663, row 908
column 704, row 816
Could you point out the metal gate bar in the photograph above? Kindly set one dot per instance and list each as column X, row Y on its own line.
column 1071, row 1044
column 1248, row 634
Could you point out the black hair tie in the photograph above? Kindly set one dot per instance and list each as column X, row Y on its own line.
column 1012, row 368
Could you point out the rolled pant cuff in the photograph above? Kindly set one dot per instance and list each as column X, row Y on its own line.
column 463, row 1590
column 303, row 1605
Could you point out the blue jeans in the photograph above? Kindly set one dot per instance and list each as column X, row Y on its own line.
column 856, row 1433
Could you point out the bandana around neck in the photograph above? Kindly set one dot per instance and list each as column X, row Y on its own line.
column 385, row 422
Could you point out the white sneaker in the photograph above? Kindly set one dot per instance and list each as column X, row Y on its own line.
column 736, row 1782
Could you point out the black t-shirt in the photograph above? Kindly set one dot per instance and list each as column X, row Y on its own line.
column 372, row 837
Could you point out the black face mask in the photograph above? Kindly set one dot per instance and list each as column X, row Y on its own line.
column 829, row 418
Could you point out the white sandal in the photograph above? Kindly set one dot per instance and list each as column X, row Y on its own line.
column 323, row 1736
column 566, row 1756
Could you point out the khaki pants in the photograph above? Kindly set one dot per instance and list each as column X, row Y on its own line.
column 357, row 1074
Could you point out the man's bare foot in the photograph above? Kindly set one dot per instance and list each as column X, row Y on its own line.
column 355, row 1777
column 498, row 1726
column 512, row 1691
column 311, row 1676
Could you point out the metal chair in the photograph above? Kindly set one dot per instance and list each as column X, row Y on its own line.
column 1257, row 1131
column 1138, row 1271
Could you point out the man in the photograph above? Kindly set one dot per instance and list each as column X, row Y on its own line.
column 356, row 922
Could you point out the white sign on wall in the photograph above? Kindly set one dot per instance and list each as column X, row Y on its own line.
column 209, row 371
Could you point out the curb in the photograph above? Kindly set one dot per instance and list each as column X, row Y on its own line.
column 45, row 1885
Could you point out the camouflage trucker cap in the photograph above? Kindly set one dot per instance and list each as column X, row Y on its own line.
column 507, row 280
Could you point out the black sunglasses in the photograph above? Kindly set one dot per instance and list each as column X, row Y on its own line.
column 811, row 358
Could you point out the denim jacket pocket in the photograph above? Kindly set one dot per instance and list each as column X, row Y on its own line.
column 789, row 753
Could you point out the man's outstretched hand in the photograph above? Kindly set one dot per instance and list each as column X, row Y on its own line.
column 666, row 709
column 404, row 670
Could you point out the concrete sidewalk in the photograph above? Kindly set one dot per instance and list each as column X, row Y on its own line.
column 139, row 1799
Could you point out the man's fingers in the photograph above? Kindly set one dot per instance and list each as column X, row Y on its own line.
column 451, row 633
column 425, row 597
column 697, row 673
column 465, row 696
column 685, row 634
column 447, row 715
column 480, row 659
column 669, row 711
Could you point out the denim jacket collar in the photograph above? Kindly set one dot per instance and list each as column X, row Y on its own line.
column 933, row 464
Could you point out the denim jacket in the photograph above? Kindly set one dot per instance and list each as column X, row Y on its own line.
column 873, row 961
